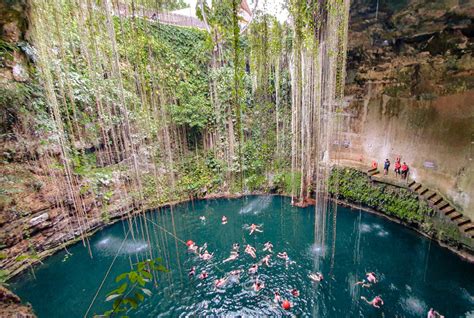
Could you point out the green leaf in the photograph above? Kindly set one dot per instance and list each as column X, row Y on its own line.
column 147, row 292
column 131, row 301
column 113, row 296
column 120, row 277
column 140, row 297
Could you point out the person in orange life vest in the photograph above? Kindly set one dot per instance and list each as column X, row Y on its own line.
column 404, row 170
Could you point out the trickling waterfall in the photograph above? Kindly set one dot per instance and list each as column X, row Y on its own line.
column 318, row 75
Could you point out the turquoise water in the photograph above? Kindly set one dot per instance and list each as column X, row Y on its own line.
column 415, row 274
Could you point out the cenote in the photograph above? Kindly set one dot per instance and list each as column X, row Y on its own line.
column 415, row 273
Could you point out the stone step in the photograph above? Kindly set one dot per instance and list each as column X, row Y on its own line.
column 411, row 184
column 442, row 205
column 430, row 194
column 436, row 199
column 423, row 190
column 449, row 210
column 462, row 220
column 416, row 186
column 455, row 215
column 468, row 227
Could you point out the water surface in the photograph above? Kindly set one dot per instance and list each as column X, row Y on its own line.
column 415, row 273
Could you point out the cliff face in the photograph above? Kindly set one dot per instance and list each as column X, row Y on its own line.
column 410, row 90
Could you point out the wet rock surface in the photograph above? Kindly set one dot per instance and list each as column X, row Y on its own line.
column 11, row 306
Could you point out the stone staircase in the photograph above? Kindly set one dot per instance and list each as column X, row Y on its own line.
column 433, row 198
column 438, row 203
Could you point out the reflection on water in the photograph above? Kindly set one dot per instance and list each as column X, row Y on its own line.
column 414, row 274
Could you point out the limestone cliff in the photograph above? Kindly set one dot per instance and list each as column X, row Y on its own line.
column 410, row 86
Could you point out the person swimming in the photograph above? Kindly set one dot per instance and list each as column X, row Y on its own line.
column 266, row 260
column 236, row 247
column 203, row 275
column 253, row 269
column 258, row 285
column 268, row 247
column 317, row 277
column 434, row 314
column 218, row 283
column 192, row 271
column 202, row 218
column 255, row 228
column 283, row 255
column 370, row 279
column 224, row 219
column 192, row 247
column 376, row 302
column 276, row 297
column 233, row 256
column 206, row 255
column 250, row 250
column 295, row 292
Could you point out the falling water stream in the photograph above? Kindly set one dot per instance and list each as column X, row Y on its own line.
column 412, row 276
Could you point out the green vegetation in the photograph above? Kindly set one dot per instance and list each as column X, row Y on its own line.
column 132, row 288
column 354, row 186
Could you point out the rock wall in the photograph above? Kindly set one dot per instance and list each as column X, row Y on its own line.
column 411, row 91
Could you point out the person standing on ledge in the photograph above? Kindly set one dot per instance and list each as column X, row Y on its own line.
column 404, row 170
column 386, row 165
column 397, row 167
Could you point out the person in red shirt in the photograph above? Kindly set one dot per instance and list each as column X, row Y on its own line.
column 404, row 170
column 397, row 167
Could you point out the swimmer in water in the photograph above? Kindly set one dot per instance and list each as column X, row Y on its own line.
column 253, row 269
column 295, row 292
column 276, row 297
column 218, row 283
column 236, row 247
column 371, row 279
column 203, row 275
column 206, row 255
column 233, row 256
column 255, row 228
column 258, row 285
column 266, row 260
column 193, row 248
column 192, row 271
column 283, row 255
column 376, row 302
column 268, row 247
column 317, row 277
column 224, row 219
column 202, row 218
column 250, row 250
column 434, row 314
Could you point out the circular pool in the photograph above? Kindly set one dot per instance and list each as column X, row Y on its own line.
column 414, row 273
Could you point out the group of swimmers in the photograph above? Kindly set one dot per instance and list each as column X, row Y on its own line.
column 258, row 285
column 377, row 301
column 234, row 275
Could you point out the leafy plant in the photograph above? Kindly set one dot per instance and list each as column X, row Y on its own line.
column 133, row 287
